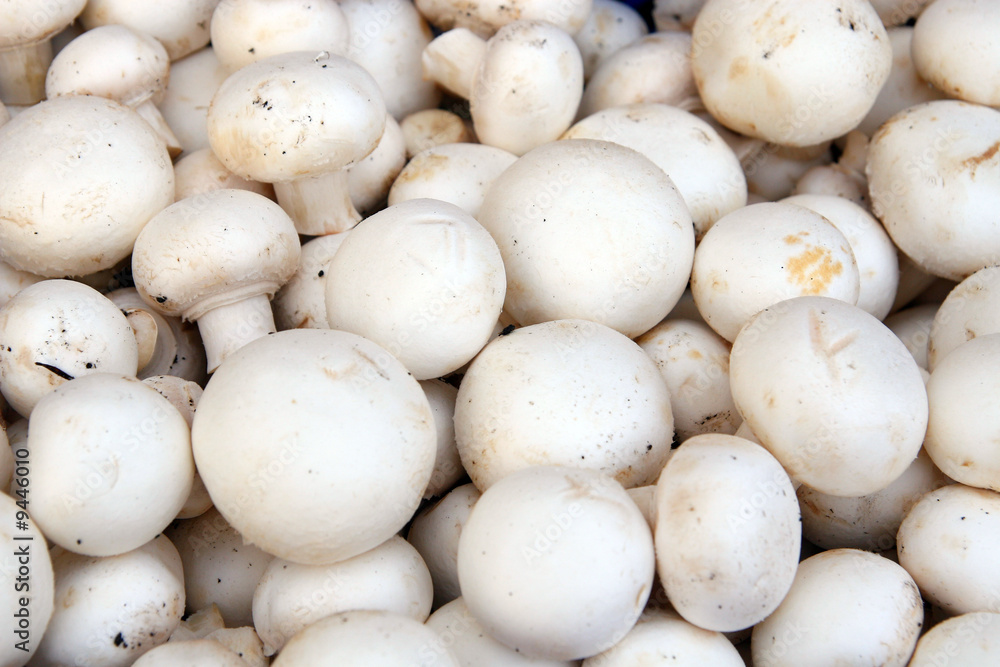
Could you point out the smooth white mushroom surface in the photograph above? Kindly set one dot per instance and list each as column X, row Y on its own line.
column 182, row 26
column 304, row 420
column 971, row 639
column 971, row 309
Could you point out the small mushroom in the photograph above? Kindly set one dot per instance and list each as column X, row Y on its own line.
column 301, row 302
column 13, row 281
column 289, row 596
column 26, row 31
column 193, row 652
column 252, row 248
column 119, row 63
column 487, row 17
column 199, row 171
column 58, row 330
column 245, row 31
column 971, row 309
column 193, row 81
column 913, row 327
column 971, row 639
column 369, row 179
column 433, row 127
column 110, row 611
column 297, row 120
column 442, row 281
column 182, row 27
column 610, row 26
column 447, row 463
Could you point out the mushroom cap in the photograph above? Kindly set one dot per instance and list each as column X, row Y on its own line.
column 727, row 532
column 610, row 26
column 934, row 177
column 245, row 31
column 964, row 427
column 424, row 280
column 365, row 638
column 971, row 309
column 831, row 392
column 57, row 330
column 521, row 570
column 290, row 596
column 111, row 610
column 112, row 461
column 82, row 175
column 41, row 581
column 193, row 81
column 790, row 72
column 566, row 392
column 956, row 46
column 220, row 568
column 24, row 21
column 591, row 230
column 295, row 114
column 112, row 61
column 199, row 171
column 223, row 246
column 527, row 87
column 301, row 302
column 845, row 606
column 447, row 464
column 182, row 26
column 971, row 639
column 764, row 253
column 190, row 652
column 948, row 542
column 913, row 326
column 698, row 161
column 488, row 16
column 324, row 419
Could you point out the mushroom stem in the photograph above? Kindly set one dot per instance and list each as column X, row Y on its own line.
column 319, row 205
column 22, row 72
column 152, row 115
column 452, row 59
column 227, row 328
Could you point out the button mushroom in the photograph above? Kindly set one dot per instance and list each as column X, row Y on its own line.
column 26, row 30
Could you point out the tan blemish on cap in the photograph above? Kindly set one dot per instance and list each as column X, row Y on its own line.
column 813, row 269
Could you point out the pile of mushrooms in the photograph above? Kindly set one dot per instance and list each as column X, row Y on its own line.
column 518, row 332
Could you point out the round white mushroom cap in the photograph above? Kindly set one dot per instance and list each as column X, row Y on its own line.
column 556, row 562
column 971, row 640
column 82, row 175
column 447, row 463
column 295, row 114
column 424, row 280
column 181, row 26
column 109, row 611
column 323, row 419
column 566, row 392
column 592, row 230
column 26, row 22
column 365, row 638
column 845, row 606
column 971, row 309
column 57, row 330
column 831, row 392
column 301, row 302
column 111, row 464
column 193, row 652
column 790, row 72
column 290, row 596
column 948, row 542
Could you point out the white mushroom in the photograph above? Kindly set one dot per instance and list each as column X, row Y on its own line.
column 971, row 309
column 193, row 81
column 465, row 637
column 57, row 330
column 296, row 120
column 934, row 183
column 119, row 63
column 566, row 392
column 447, row 463
column 610, row 26
column 387, row 37
column 460, row 174
column 655, row 68
column 105, row 174
column 357, row 434
column 694, row 362
column 727, row 532
column 289, row 596
column 761, row 254
column 112, row 463
column 845, row 606
column 697, row 160
column 109, row 611
column 301, row 302
column 971, row 639
column 913, row 327
column 956, row 47
column 433, row 127
column 487, row 17
column 592, row 230
column 369, row 179
column 831, row 392
column 25, row 572
column 26, row 29
column 245, row 31
column 434, row 286
column 964, row 427
column 194, row 652
column 365, row 638
column 244, row 642
column 789, row 72
column 199, row 171
column 898, row 12
column 13, row 281
column 435, row 533
column 219, row 567
column 523, row 85
column 948, row 543
column 556, row 562
column 253, row 250
column 181, row 26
